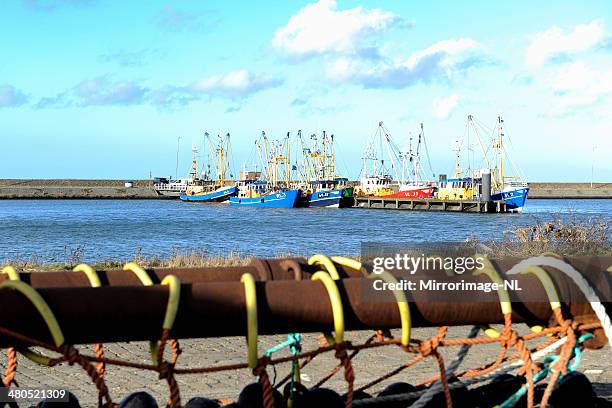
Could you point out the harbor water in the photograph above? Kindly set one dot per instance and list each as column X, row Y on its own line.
column 97, row 230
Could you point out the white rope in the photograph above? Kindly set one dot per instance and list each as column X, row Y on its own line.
column 583, row 285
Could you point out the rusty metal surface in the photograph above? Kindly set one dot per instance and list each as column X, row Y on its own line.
column 214, row 309
column 261, row 269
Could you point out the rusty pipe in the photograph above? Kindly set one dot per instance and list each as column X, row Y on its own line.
column 261, row 269
column 217, row 309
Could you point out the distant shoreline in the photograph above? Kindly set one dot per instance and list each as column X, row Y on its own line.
column 142, row 189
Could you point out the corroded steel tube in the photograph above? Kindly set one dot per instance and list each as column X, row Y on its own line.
column 261, row 269
column 214, row 309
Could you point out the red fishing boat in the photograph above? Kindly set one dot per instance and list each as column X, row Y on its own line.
column 400, row 175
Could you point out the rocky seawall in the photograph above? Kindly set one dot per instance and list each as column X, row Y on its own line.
column 76, row 189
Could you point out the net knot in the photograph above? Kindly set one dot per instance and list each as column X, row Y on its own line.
column 264, row 380
column 71, row 354
column 260, row 368
column 165, row 369
column 430, row 346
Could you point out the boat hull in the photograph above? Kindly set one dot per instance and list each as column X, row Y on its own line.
column 328, row 198
column 417, row 192
column 169, row 193
column 219, row 195
column 514, row 198
column 283, row 199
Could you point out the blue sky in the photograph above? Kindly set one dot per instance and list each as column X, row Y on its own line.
column 102, row 88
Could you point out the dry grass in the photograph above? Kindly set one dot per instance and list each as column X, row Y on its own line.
column 569, row 237
column 74, row 257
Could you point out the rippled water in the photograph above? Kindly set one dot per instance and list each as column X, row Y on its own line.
column 105, row 229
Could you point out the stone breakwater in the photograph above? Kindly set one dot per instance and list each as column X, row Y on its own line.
column 76, row 189
column 142, row 189
column 570, row 190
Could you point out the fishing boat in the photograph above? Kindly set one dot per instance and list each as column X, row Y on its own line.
column 213, row 186
column 270, row 188
column 320, row 185
column 169, row 187
column 400, row 175
column 468, row 184
column 511, row 190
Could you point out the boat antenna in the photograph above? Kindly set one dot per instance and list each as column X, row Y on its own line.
column 427, row 152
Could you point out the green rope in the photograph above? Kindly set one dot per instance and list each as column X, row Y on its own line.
column 546, row 369
column 295, row 347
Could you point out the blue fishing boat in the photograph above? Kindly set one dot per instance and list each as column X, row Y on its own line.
column 220, row 194
column 322, row 194
column 320, row 186
column 270, row 188
column 512, row 191
column 255, row 193
column 214, row 185
column 513, row 195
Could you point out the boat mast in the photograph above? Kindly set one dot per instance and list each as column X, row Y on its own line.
column 288, row 162
column 305, row 159
column 324, row 157
column 457, row 150
column 194, row 163
column 223, row 159
column 332, row 160
column 500, row 150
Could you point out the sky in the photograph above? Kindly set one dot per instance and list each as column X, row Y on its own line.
column 104, row 88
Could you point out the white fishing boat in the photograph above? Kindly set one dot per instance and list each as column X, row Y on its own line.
column 389, row 172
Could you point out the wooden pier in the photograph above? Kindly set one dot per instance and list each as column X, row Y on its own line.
column 430, row 204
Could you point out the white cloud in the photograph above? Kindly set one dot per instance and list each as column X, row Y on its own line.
column 320, row 28
column 555, row 42
column 441, row 61
column 444, row 106
column 578, row 85
column 235, row 83
column 100, row 91
column 341, row 69
column 232, row 85
column 446, row 49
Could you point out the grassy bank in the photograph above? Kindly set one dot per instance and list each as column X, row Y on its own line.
column 567, row 237
column 178, row 260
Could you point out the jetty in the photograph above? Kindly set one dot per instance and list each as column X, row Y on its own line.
column 430, row 204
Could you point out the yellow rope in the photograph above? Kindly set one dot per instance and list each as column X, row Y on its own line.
column 40, row 304
column 548, row 284
column 28, row 353
column 402, row 305
column 348, row 262
column 173, row 300
column 174, row 297
column 504, row 298
column 489, row 270
column 11, row 272
column 92, row 275
column 139, row 272
column 336, row 304
column 327, row 263
column 250, row 296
